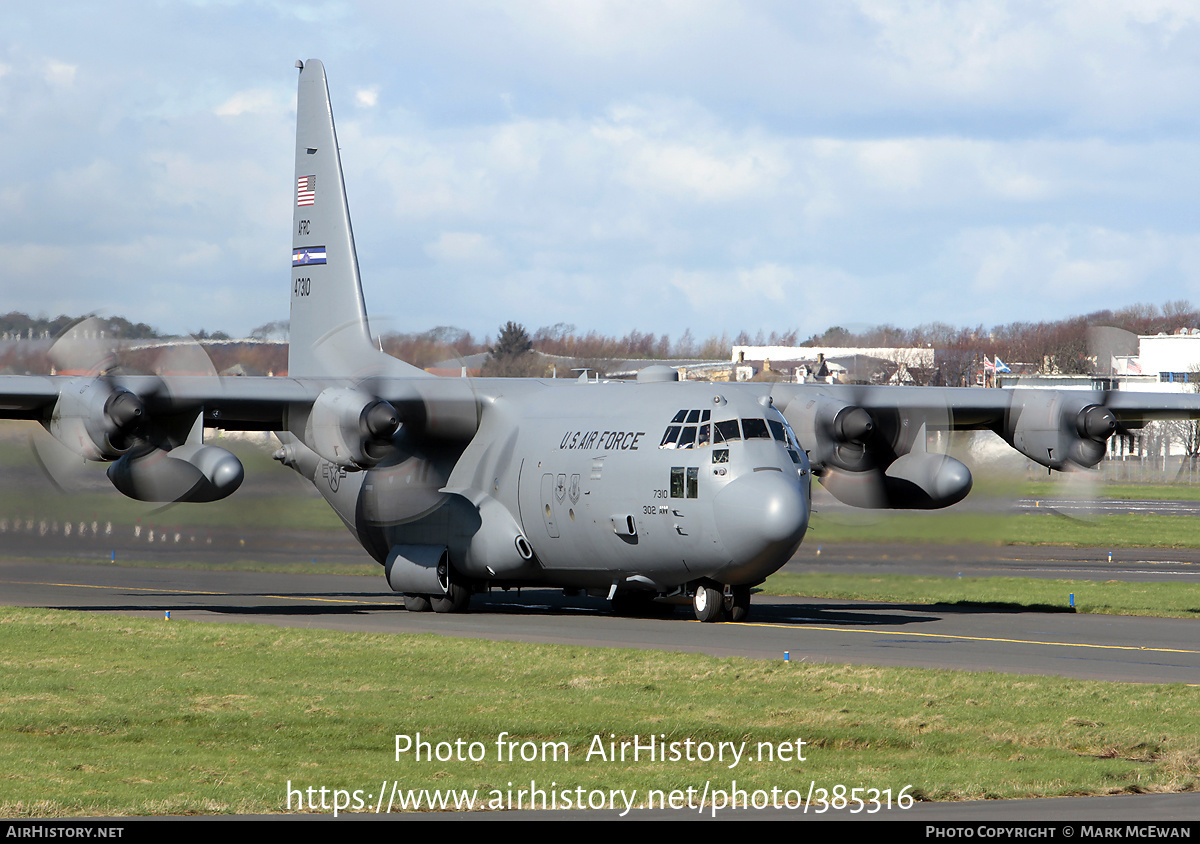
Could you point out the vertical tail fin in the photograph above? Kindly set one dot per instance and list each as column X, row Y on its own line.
column 330, row 335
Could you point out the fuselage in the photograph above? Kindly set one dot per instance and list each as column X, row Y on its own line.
column 641, row 486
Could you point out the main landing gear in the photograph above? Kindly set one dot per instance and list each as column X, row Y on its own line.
column 710, row 603
column 456, row 598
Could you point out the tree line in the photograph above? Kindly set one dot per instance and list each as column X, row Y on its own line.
column 1063, row 345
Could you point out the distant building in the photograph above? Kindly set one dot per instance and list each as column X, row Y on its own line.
column 831, row 365
column 907, row 356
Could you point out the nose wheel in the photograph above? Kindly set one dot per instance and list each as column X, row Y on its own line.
column 711, row 604
column 737, row 603
column 708, row 603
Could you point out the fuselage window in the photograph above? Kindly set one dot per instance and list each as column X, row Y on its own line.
column 693, row 482
column 720, row 455
column 677, row 482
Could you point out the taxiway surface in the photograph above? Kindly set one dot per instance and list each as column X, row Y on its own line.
column 799, row 629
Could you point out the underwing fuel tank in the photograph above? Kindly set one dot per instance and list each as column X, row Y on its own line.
column 189, row 473
column 917, row 481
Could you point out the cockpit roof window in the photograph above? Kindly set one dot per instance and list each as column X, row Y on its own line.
column 689, row 429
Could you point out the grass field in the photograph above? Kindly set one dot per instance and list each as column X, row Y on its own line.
column 112, row 716
column 1128, row 530
column 1163, row 600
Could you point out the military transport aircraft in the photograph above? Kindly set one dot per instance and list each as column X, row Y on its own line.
column 635, row 490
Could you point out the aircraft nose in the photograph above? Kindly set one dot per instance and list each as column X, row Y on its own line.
column 761, row 518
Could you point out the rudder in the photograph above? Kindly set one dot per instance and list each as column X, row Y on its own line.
column 329, row 335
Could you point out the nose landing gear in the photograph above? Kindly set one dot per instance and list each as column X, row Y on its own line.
column 711, row 603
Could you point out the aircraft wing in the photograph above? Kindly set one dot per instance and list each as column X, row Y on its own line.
column 233, row 403
column 868, row 444
column 973, row 408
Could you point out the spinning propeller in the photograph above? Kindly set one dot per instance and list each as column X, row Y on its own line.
column 158, row 457
column 872, row 455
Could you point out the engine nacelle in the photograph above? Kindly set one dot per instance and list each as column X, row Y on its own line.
column 95, row 419
column 191, row 473
column 1058, row 430
column 834, row 433
column 913, row 481
column 351, row 429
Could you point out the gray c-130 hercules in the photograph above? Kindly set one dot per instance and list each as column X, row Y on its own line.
column 656, row 488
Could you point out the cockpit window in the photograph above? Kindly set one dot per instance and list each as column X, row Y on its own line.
column 689, row 429
column 755, row 429
column 726, row 431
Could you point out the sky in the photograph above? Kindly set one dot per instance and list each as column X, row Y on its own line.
column 652, row 165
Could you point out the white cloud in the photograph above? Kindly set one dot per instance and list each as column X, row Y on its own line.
column 253, row 101
column 1061, row 265
column 59, row 74
column 463, row 248
column 618, row 164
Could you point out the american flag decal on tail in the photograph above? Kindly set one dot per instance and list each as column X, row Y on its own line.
column 306, row 190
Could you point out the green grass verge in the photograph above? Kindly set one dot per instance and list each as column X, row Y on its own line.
column 366, row 569
column 1163, row 600
column 120, row 716
column 1134, row 492
column 246, row 512
column 1128, row 530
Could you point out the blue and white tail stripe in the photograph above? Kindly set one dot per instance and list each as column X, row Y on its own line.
column 305, row 255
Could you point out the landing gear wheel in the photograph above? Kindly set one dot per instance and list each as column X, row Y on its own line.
column 737, row 604
column 456, row 599
column 708, row 603
column 417, row 603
